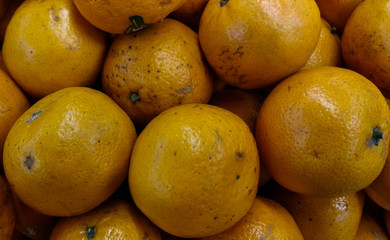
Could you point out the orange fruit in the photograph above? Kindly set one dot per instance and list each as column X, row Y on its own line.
column 328, row 49
column 194, row 170
column 13, row 102
column 69, row 152
column 253, row 44
column 49, row 46
column 371, row 227
column 118, row 16
column 337, row 12
column 364, row 43
column 245, row 104
column 242, row 102
column 154, row 69
column 7, row 210
column 114, row 219
column 323, row 218
column 324, row 132
column 190, row 12
column 31, row 223
column 266, row 219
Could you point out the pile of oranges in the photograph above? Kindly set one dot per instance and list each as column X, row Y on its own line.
column 194, row 119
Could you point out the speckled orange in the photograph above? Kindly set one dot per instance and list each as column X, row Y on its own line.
column 194, row 170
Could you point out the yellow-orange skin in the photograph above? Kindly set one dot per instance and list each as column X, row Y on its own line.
column 13, row 103
column 190, row 12
column 315, row 132
column 253, row 44
column 266, row 219
column 113, row 15
column 371, row 228
column 194, row 170
column 245, row 104
column 48, row 46
column 328, row 49
column 337, row 12
column 32, row 223
column 162, row 64
column 11, row 8
column 116, row 219
column 7, row 210
column 69, row 152
column 364, row 43
column 321, row 218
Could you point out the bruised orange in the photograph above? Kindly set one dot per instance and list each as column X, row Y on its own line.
column 252, row 44
column 156, row 68
column 324, row 132
column 364, row 43
column 69, row 152
column 194, row 170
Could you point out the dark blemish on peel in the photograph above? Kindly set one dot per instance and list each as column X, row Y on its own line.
column 34, row 116
column 29, row 162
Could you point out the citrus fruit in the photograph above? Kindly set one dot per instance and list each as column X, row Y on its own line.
column 7, row 210
column 13, row 102
column 190, row 12
column 246, row 104
column 31, row 223
column 115, row 219
column 371, row 227
column 253, row 44
column 324, row 132
column 323, row 218
column 118, row 16
column 69, row 152
column 337, row 12
column 194, row 170
column 328, row 49
column 156, row 68
column 364, row 43
column 266, row 219
column 48, row 46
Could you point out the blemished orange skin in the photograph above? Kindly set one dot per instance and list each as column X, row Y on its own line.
column 364, row 43
column 266, row 219
column 113, row 15
column 321, row 218
column 69, row 152
column 116, row 219
column 7, row 210
column 245, row 104
column 156, row 68
column 13, row 103
column 328, row 49
column 324, row 132
column 337, row 12
column 31, row 223
column 194, row 170
column 48, row 46
column 371, row 228
column 252, row 44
